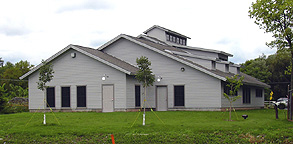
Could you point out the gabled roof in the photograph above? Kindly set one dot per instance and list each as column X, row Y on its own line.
column 95, row 54
column 161, row 49
column 249, row 80
column 180, row 47
column 203, row 49
column 166, row 30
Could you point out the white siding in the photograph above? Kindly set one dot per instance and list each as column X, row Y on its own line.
column 234, row 69
column 221, row 67
column 158, row 33
column 202, row 62
column 130, row 91
column 202, row 53
column 198, row 93
column 254, row 101
column 80, row 71
column 36, row 96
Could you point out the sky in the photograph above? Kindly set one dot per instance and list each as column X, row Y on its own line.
column 33, row 30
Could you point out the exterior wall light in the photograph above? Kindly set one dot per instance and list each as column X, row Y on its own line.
column 182, row 69
column 159, row 78
column 104, row 77
column 73, row 55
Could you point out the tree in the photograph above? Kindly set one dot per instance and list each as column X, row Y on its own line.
column 271, row 70
column 233, row 84
column 279, row 81
column 145, row 76
column 10, row 74
column 45, row 76
column 257, row 68
column 1, row 62
column 3, row 99
column 17, row 91
column 276, row 16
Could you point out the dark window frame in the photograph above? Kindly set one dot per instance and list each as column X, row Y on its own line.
column 175, row 38
column 246, row 97
column 179, row 101
column 137, row 96
column 258, row 92
column 80, row 99
column 227, row 90
column 65, row 99
column 50, row 100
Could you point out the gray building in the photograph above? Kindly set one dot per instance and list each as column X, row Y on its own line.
column 103, row 79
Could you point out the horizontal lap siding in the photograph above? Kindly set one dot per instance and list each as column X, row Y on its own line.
column 205, row 63
column 83, row 71
column 202, row 53
column 201, row 90
column 36, row 96
column 254, row 101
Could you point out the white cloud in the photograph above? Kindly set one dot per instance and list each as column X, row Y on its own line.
column 33, row 30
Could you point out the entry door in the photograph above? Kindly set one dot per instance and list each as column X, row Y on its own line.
column 108, row 98
column 162, row 104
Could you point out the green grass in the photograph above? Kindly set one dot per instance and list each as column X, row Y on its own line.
column 178, row 127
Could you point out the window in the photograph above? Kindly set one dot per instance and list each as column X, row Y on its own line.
column 50, row 97
column 227, row 90
column 81, row 96
column 179, row 95
column 168, row 37
column 258, row 93
column 246, row 95
column 184, row 42
column 65, row 96
column 175, row 39
column 137, row 96
column 227, row 67
column 213, row 65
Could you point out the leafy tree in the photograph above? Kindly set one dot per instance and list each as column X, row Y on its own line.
column 145, row 76
column 233, row 84
column 271, row 70
column 277, row 64
column 1, row 62
column 3, row 99
column 10, row 74
column 45, row 75
column 276, row 16
column 17, row 91
column 257, row 68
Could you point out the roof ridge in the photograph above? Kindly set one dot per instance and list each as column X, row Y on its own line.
column 165, row 29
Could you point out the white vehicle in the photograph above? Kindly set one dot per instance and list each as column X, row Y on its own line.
column 282, row 103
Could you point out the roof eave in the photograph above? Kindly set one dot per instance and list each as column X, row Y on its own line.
column 166, row 30
column 79, row 50
column 166, row 54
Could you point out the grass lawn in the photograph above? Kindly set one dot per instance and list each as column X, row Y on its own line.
column 172, row 127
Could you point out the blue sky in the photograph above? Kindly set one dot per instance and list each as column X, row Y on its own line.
column 34, row 30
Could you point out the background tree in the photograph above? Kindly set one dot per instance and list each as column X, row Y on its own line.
column 145, row 76
column 3, row 99
column 45, row 75
column 257, row 68
column 233, row 85
column 276, row 16
column 271, row 70
column 1, row 62
column 279, row 81
column 10, row 74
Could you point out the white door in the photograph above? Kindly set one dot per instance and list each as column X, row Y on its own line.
column 162, row 104
column 108, row 98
